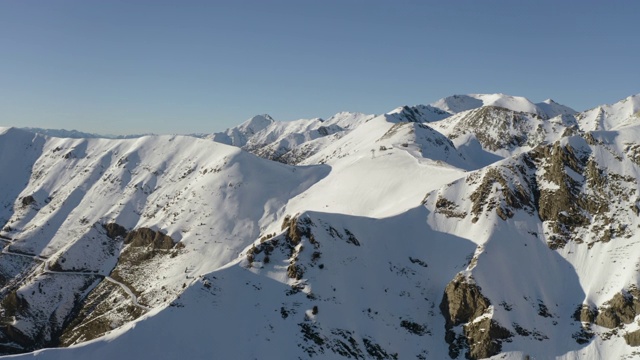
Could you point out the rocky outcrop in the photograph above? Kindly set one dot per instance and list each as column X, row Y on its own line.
column 297, row 229
column 621, row 309
column 562, row 207
column 28, row 200
column 633, row 338
column 145, row 237
column 107, row 306
column 29, row 321
column 463, row 304
column 485, row 338
column 513, row 195
column 101, row 311
column 585, row 313
column 498, row 128
column 115, row 231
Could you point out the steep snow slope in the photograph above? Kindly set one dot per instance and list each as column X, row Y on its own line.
column 210, row 200
column 381, row 167
column 333, row 310
column 553, row 197
column 624, row 113
column 29, row 147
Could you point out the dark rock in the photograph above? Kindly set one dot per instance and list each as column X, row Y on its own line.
column 622, row 308
column 485, row 338
column 585, row 313
column 515, row 197
column 462, row 302
column 633, row 338
column 144, row 237
column 28, row 200
column 114, row 231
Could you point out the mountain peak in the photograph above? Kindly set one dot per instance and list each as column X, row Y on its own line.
column 258, row 122
column 612, row 117
column 459, row 103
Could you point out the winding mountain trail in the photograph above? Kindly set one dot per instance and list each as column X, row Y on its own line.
column 124, row 287
column 47, row 270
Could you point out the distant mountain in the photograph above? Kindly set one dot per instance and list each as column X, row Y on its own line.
column 293, row 141
column 624, row 113
column 283, row 141
column 459, row 103
column 75, row 134
column 480, row 226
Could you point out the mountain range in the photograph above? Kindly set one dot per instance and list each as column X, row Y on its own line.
column 479, row 226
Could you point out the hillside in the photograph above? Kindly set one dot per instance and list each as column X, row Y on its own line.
column 480, row 226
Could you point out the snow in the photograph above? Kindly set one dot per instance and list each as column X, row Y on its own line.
column 379, row 179
column 460, row 103
column 622, row 114
column 553, row 109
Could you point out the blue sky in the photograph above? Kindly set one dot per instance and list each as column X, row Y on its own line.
column 161, row 66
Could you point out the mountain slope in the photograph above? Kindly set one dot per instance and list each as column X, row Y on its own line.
column 288, row 142
column 460, row 103
column 489, row 133
column 79, row 191
column 333, row 310
column 624, row 113
column 497, row 229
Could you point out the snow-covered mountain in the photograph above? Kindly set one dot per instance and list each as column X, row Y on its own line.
column 288, row 142
column 75, row 134
column 480, row 226
column 612, row 117
column 459, row 103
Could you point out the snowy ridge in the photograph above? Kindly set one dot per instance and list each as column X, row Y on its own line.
column 494, row 228
column 624, row 113
column 75, row 134
column 460, row 103
column 291, row 141
column 239, row 135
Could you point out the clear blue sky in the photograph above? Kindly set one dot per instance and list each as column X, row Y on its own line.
column 124, row 66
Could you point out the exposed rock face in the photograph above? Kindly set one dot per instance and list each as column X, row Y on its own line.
column 621, row 309
column 563, row 184
column 585, row 313
column 107, row 306
column 498, row 128
column 144, row 237
column 485, row 338
column 101, row 311
column 633, row 338
column 28, row 200
column 298, row 228
column 514, row 195
column 562, row 207
column 114, row 231
column 26, row 324
column 461, row 304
